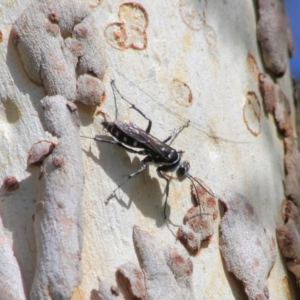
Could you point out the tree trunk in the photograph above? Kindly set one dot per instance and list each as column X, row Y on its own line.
column 215, row 76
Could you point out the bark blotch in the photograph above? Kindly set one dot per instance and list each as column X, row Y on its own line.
column 193, row 13
column 198, row 221
column 39, row 151
column 252, row 66
column 181, row 92
column 130, row 32
column 252, row 113
column 10, row 183
column 246, row 245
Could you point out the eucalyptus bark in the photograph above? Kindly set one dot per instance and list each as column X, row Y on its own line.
column 216, row 64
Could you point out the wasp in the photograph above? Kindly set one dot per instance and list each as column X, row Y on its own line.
column 136, row 140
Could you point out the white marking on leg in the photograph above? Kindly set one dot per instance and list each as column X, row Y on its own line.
column 134, row 143
column 117, row 133
column 125, row 139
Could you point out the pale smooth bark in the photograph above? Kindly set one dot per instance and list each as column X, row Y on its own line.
column 175, row 61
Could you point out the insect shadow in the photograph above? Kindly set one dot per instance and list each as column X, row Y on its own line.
column 144, row 190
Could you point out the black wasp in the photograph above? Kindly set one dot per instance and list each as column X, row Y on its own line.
column 128, row 136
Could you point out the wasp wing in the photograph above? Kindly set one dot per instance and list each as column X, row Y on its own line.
column 147, row 140
column 132, row 131
column 163, row 150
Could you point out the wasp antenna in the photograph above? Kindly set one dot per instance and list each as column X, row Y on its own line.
column 193, row 183
column 193, row 180
column 112, row 83
column 109, row 197
column 115, row 88
column 200, row 182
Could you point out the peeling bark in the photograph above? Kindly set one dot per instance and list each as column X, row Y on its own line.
column 58, row 215
column 198, row 221
column 163, row 271
column 288, row 236
column 249, row 250
column 274, row 35
column 52, row 61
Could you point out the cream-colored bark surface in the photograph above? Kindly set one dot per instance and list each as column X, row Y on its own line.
column 175, row 61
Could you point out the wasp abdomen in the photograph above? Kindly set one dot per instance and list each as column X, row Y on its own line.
column 121, row 131
column 108, row 126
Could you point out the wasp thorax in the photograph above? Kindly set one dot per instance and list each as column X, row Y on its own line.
column 183, row 170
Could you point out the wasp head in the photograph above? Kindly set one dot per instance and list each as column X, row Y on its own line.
column 183, row 170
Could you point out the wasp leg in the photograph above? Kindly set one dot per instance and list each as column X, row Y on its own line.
column 142, row 114
column 133, row 106
column 161, row 175
column 176, row 131
column 143, row 168
column 104, row 114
